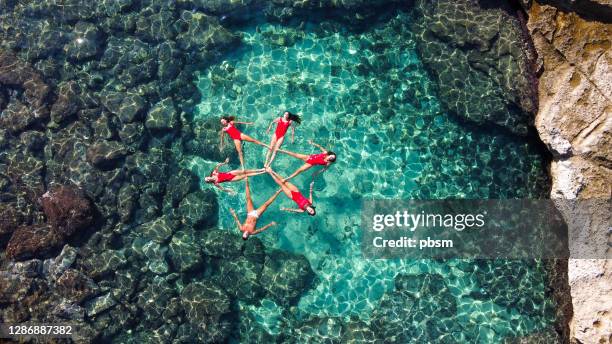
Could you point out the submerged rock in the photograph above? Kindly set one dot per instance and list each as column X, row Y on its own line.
column 99, row 305
column 184, row 251
column 203, row 299
column 76, row 286
column 33, row 241
column 163, row 116
column 105, row 154
column 199, row 209
column 477, row 56
column 67, row 209
column 285, row 277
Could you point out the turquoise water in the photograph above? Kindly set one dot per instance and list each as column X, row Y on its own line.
column 366, row 96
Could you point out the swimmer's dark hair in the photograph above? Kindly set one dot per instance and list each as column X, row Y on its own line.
column 296, row 118
column 332, row 153
column 228, row 118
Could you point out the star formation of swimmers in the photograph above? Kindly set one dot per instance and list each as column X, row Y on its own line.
column 325, row 158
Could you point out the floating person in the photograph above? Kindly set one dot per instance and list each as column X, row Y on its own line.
column 322, row 159
column 249, row 227
column 228, row 127
column 217, row 177
column 282, row 124
column 304, row 204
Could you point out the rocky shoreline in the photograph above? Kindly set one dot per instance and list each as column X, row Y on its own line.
column 99, row 224
column 574, row 121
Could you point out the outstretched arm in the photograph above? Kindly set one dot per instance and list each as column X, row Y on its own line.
column 292, row 210
column 318, row 146
column 311, row 188
column 270, row 200
column 236, row 219
column 245, row 123
column 229, row 191
column 270, row 126
column 319, row 172
column 222, row 141
column 298, row 171
column 264, row 227
column 216, row 169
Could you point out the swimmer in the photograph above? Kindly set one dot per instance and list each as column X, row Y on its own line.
column 282, row 124
column 217, row 177
column 322, row 159
column 248, row 228
column 228, row 123
column 304, row 204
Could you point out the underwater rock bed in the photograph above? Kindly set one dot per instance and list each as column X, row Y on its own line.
column 97, row 101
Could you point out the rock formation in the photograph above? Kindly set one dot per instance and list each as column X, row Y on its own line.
column 575, row 122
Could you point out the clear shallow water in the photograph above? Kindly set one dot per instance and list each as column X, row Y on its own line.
column 367, row 97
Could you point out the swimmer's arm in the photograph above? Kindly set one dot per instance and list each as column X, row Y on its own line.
column 318, row 146
column 311, row 188
column 245, row 123
column 270, row 126
column 229, row 191
column 216, row 169
column 264, row 227
column 292, row 210
column 236, row 219
column 222, row 140
column 319, row 172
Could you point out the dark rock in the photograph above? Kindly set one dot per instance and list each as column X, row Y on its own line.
column 100, row 304
column 199, row 209
column 32, row 241
column 481, row 70
column 132, row 134
column 180, row 184
column 85, row 42
column 154, row 300
column 33, row 141
column 285, row 277
column 326, row 330
column 54, row 267
column 209, row 331
column 104, row 263
column 17, row 117
column 156, row 257
column 105, row 154
column 221, row 244
column 30, row 268
column 204, row 33
column 127, row 106
column 10, row 218
column 76, row 286
column 69, row 311
column 243, row 274
column 127, row 199
column 105, row 127
column 184, row 251
column 67, row 209
column 158, row 230
column 16, row 73
column 67, row 103
column 205, row 142
column 16, row 287
column 203, row 299
column 163, row 116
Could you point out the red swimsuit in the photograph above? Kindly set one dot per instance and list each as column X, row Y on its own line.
column 300, row 200
column 281, row 128
column 317, row 159
column 224, row 177
column 232, row 132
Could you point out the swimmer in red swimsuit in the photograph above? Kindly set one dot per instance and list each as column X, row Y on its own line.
column 217, row 177
column 282, row 124
column 249, row 226
column 304, row 204
column 228, row 123
column 323, row 159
